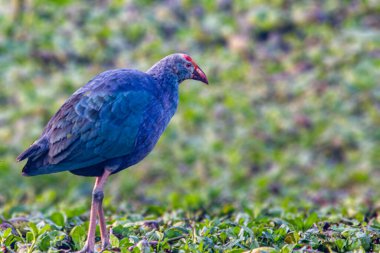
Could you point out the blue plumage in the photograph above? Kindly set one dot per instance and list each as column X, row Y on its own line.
column 114, row 120
column 109, row 124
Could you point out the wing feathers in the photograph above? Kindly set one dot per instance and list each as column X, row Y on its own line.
column 98, row 122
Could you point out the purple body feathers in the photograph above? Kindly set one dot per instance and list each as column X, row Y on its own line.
column 113, row 121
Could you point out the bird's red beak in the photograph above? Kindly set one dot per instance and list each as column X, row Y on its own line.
column 198, row 73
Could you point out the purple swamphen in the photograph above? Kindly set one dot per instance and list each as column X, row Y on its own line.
column 109, row 124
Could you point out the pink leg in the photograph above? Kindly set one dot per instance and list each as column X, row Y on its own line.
column 97, row 198
column 103, row 228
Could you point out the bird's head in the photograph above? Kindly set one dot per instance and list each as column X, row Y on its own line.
column 182, row 66
column 189, row 69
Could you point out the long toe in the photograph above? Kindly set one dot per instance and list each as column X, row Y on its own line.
column 106, row 245
column 86, row 249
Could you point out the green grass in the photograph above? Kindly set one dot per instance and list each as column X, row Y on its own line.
column 225, row 230
column 281, row 150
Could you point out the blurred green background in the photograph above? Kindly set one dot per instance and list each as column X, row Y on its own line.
column 291, row 118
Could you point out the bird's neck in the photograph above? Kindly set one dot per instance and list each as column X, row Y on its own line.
column 167, row 80
column 167, row 84
column 164, row 75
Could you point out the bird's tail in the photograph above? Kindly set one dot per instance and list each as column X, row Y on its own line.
column 35, row 151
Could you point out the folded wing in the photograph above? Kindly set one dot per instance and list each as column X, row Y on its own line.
column 90, row 127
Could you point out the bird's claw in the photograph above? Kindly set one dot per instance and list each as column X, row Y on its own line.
column 86, row 249
column 106, row 241
column 106, row 245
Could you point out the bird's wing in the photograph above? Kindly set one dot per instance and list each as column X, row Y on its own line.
column 94, row 127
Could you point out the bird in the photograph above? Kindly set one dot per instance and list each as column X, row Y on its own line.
column 109, row 124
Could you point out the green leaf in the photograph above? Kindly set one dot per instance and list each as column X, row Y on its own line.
column 7, row 232
column 78, row 235
column 33, row 229
column 340, row 243
column 124, row 244
column 292, row 238
column 58, row 218
column 175, row 232
column 313, row 218
column 29, row 237
column 11, row 239
column 45, row 229
column 365, row 240
column 44, row 244
column 114, row 241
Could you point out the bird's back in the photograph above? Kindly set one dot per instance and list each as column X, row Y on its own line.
column 114, row 120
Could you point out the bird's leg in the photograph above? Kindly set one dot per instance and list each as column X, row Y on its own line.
column 103, row 228
column 97, row 198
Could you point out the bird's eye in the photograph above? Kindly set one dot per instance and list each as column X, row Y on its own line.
column 188, row 65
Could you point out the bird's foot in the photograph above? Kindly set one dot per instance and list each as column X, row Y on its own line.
column 106, row 244
column 86, row 249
